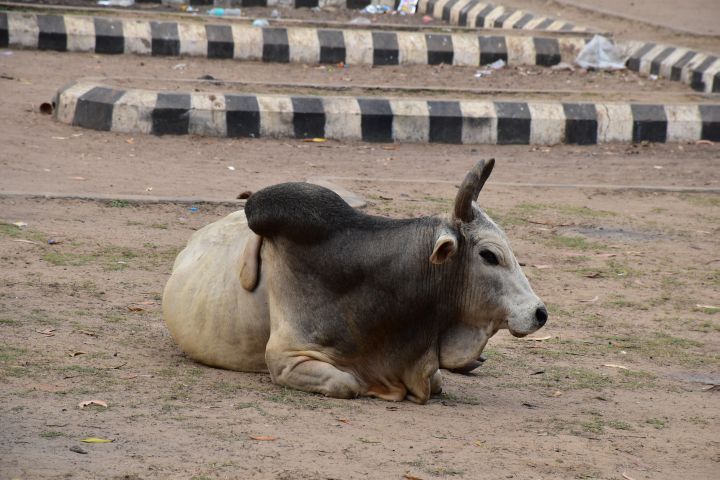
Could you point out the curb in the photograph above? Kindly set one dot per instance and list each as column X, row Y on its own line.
column 279, row 44
column 474, row 13
column 699, row 70
column 100, row 107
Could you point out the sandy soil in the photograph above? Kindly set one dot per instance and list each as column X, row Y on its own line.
column 631, row 280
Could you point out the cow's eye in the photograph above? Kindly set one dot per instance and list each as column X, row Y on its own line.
column 489, row 257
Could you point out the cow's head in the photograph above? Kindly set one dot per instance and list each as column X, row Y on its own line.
column 494, row 291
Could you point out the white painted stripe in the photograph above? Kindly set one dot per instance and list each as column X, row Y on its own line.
column 412, row 49
column 684, row 123
column 437, row 8
column 666, row 66
column 248, row 42
column 686, row 75
column 422, row 6
column 709, row 75
column 547, row 123
column 358, row 47
column 304, row 45
column 67, row 101
column 455, row 13
column 490, row 18
column 207, row 115
column 138, row 36
column 556, row 25
column 80, row 33
column 472, row 15
column 23, row 30
column 510, row 21
column 133, row 112
column 466, row 50
column 411, row 120
column 521, row 50
column 615, row 122
column 646, row 60
column 276, row 116
column 193, row 39
column 479, row 122
column 534, row 23
column 343, row 118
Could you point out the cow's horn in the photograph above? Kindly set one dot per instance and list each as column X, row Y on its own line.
column 470, row 189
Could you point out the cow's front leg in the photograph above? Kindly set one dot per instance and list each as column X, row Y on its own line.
column 311, row 375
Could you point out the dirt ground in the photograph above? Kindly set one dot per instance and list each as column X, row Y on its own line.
column 625, row 387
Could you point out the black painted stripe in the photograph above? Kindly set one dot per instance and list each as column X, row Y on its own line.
column 710, row 115
column 524, row 20
column 633, row 63
column 696, row 80
column 385, row 48
column 165, row 38
column 376, row 121
column 275, row 45
column 4, row 31
column 544, row 24
column 501, row 19
column 242, row 116
column 649, row 123
column 445, row 122
column 332, row 46
column 430, row 7
column 306, row 3
column 308, row 117
column 580, row 123
column 492, row 48
column 480, row 17
column 254, row 3
column 357, row 4
column 220, row 41
column 676, row 69
column 52, row 34
column 567, row 27
column 513, row 123
column 109, row 37
column 716, row 83
column 462, row 16
column 94, row 108
column 547, row 51
column 439, row 49
column 171, row 115
column 657, row 61
column 447, row 9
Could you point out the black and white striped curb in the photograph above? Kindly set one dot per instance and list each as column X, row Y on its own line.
column 348, row 4
column 96, row 106
column 474, row 13
column 699, row 70
column 279, row 44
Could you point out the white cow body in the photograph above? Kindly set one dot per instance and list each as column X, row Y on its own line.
column 211, row 317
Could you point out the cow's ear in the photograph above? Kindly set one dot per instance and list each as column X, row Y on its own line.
column 445, row 247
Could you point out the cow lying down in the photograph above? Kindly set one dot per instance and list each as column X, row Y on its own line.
column 334, row 301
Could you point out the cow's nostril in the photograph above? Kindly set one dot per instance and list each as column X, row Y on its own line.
column 541, row 315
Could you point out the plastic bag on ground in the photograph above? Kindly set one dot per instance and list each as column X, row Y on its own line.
column 600, row 54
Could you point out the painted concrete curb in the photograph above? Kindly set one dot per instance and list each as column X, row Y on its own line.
column 101, row 107
column 278, row 44
column 699, row 70
column 474, row 13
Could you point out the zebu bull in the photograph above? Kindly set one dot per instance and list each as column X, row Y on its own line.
column 334, row 301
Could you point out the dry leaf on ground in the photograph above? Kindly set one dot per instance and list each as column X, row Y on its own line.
column 96, row 440
column 538, row 339
column 76, row 353
column 92, row 402
column 612, row 365
column 262, row 438
column 48, row 332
